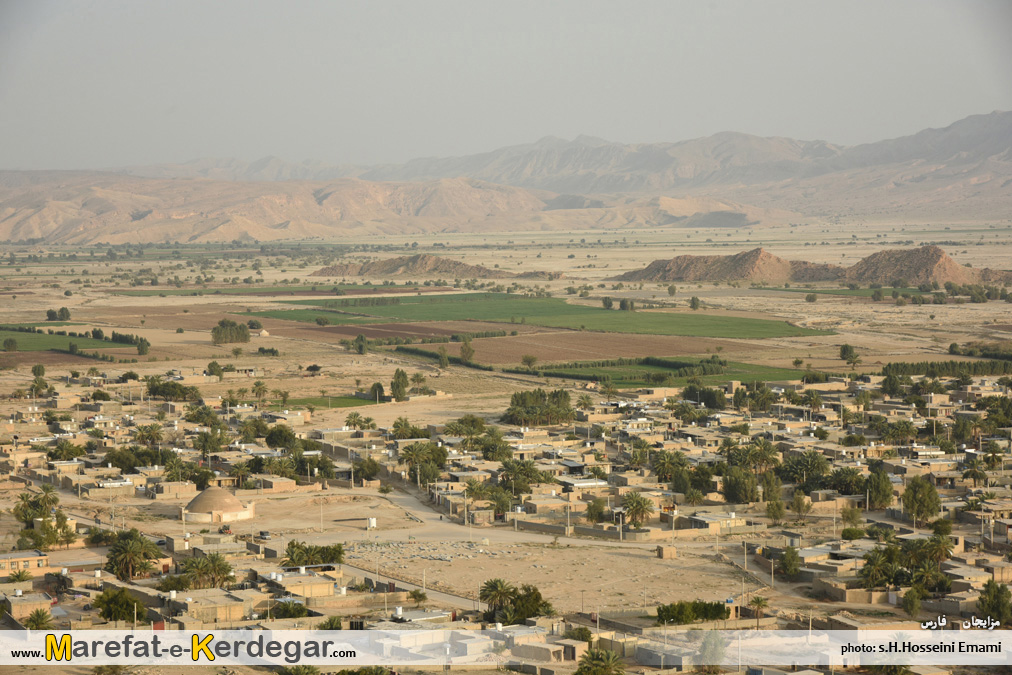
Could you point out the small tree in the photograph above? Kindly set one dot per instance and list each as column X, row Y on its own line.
column 528, row 360
column 607, row 302
column 775, row 511
column 38, row 370
column 695, row 303
column 851, row 516
column 466, row 351
column 790, row 563
column 119, row 605
column 921, row 499
column 711, row 652
column 995, row 601
column 399, row 385
column 942, row 527
column 800, row 505
column 418, row 596
column 595, row 511
column 912, row 602
column 10, row 345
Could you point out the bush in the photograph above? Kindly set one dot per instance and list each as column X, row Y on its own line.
column 852, row 533
column 687, row 612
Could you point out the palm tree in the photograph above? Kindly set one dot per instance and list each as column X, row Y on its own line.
column 241, row 471
column 812, row 400
column 901, row 432
column 974, row 472
column 218, row 570
column 208, row 442
column 584, row 402
column 259, row 391
column 477, row 489
column 39, row 619
column 128, row 558
column 249, row 429
column 666, row 464
column 758, row 604
column 502, row 502
column 846, row 417
column 938, row 549
column 174, row 469
column 637, row 508
column 600, row 662
column 353, row 420
column 401, row 428
column 65, row 450
column 976, row 429
column 874, row 572
column 497, row 594
column 414, row 456
column 330, row 623
column 508, row 616
column 48, row 497
column 694, row 497
column 19, row 575
column 928, row 574
column 993, row 459
column 764, row 455
column 198, row 571
column 149, row 435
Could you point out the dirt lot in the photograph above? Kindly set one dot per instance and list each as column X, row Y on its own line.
column 610, row 576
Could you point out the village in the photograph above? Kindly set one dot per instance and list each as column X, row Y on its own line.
column 572, row 520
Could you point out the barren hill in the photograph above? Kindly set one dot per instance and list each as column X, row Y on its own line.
column 422, row 265
column 910, row 266
column 756, row 265
column 914, row 266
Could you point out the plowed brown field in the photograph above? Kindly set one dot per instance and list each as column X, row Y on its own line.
column 564, row 346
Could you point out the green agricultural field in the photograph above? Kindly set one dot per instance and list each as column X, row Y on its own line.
column 40, row 342
column 41, row 324
column 635, row 376
column 553, row 312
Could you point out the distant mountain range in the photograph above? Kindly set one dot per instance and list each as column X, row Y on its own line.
column 960, row 173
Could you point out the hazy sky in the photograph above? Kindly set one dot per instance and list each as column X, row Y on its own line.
column 117, row 82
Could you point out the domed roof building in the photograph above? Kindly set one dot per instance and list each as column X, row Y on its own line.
column 216, row 505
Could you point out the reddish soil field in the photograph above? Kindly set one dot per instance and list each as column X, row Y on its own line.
column 379, row 290
column 200, row 317
column 565, row 346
